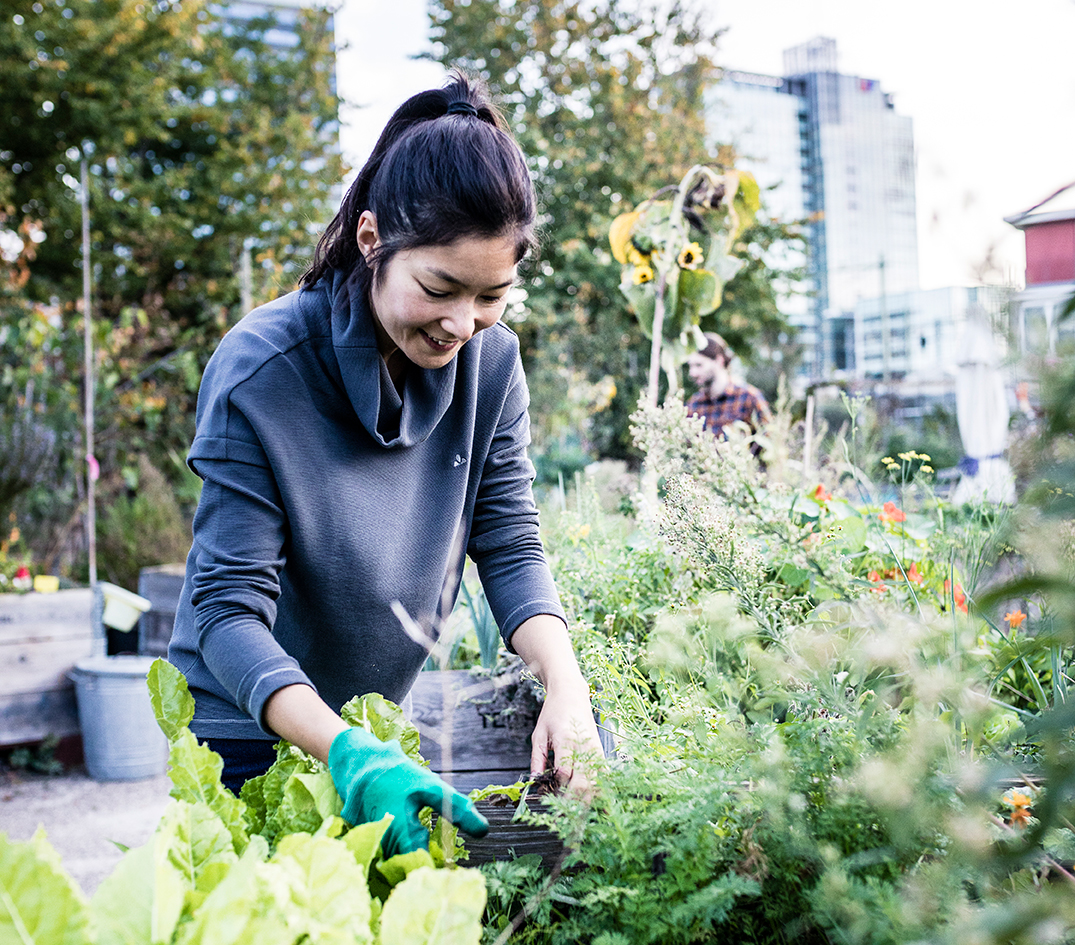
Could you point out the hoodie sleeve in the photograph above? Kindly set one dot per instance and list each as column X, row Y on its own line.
column 504, row 540
column 240, row 537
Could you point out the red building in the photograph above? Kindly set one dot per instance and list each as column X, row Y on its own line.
column 1049, row 230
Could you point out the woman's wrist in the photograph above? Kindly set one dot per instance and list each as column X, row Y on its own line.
column 299, row 715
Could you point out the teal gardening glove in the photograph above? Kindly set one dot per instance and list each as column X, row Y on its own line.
column 375, row 778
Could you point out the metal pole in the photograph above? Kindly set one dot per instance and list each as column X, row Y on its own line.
column 88, row 379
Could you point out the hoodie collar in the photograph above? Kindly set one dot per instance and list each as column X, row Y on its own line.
column 392, row 421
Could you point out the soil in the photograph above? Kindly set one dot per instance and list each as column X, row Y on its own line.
column 82, row 818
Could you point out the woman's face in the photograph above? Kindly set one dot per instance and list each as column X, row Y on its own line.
column 430, row 301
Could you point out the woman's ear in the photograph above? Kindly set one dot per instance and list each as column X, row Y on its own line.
column 366, row 235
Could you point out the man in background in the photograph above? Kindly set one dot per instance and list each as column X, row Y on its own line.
column 720, row 400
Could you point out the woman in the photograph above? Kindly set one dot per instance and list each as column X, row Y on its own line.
column 356, row 439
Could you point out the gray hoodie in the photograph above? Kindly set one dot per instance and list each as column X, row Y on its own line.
column 327, row 497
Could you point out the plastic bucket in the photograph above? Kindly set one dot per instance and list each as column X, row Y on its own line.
column 121, row 740
column 122, row 607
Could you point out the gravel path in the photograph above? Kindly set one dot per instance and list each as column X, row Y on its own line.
column 83, row 818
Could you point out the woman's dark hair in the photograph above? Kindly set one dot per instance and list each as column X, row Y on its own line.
column 445, row 167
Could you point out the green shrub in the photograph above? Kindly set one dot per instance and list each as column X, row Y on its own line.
column 139, row 527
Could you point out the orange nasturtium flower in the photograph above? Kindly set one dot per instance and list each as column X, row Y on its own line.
column 960, row 597
column 889, row 513
column 820, row 495
column 1020, row 805
column 1015, row 619
column 913, row 574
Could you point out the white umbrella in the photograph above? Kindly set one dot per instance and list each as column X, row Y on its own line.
column 982, row 411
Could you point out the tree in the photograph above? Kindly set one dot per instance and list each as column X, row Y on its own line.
column 203, row 140
column 606, row 100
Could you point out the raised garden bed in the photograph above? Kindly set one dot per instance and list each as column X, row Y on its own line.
column 42, row 636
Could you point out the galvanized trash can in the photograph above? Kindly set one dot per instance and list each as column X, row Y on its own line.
column 121, row 740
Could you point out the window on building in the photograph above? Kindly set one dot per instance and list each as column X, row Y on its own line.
column 1035, row 330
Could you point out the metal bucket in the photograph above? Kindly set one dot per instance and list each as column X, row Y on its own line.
column 121, row 740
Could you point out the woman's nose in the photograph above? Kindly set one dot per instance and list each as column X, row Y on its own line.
column 459, row 321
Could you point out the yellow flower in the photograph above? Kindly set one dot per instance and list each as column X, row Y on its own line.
column 691, row 256
column 635, row 256
column 926, row 468
column 888, row 461
column 642, row 274
column 924, row 457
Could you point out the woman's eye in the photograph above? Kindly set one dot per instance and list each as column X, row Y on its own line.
column 434, row 294
column 492, row 299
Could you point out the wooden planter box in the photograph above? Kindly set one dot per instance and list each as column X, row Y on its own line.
column 162, row 586
column 42, row 636
column 508, row 837
column 474, row 731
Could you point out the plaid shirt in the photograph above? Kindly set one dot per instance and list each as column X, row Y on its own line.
column 737, row 402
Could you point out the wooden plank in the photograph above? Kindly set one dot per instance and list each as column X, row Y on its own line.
column 508, row 838
column 467, row 781
column 473, row 748
column 31, row 716
column 162, row 586
column 38, row 665
column 63, row 615
column 456, row 736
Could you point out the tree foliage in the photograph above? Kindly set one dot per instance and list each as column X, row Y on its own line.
column 202, row 135
column 606, row 100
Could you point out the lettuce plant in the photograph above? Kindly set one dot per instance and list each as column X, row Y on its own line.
column 278, row 865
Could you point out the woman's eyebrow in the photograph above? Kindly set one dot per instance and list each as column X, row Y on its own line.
column 448, row 277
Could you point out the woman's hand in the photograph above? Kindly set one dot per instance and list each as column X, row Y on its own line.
column 566, row 724
column 372, row 777
column 375, row 778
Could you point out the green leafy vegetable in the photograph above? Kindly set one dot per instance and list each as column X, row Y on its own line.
column 435, row 907
column 39, row 903
column 386, row 720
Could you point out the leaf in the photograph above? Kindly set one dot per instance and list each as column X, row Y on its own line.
column 308, row 800
column 747, row 200
column 329, row 888
column 364, row 840
column 39, row 903
column 385, row 719
column 513, row 791
column 144, row 899
column 397, row 868
column 122, row 907
column 250, row 906
column 642, row 300
column 195, row 773
column 792, row 575
column 697, row 290
column 172, row 702
column 849, row 534
column 435, row 907
column 619, row 234
column 264, row 794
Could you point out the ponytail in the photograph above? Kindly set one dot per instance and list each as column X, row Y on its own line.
column 445, row 167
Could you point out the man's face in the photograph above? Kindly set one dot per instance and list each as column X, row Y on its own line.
column 706, row 372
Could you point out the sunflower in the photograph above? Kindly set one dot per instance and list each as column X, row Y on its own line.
column 691, row 256
column 642, row 274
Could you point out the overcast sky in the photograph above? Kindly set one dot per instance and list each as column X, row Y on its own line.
column 990, row 85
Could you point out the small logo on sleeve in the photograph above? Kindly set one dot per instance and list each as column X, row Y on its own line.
column 459, row 460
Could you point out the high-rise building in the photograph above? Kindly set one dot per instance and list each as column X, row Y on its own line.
column 830, row 149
